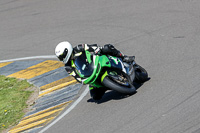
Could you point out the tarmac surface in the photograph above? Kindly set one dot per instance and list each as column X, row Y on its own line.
column 164, row 35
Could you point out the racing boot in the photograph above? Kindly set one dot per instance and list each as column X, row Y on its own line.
column 110, row 49
column 128, row 59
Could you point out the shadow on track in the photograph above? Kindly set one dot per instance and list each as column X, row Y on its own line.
column 113, row 95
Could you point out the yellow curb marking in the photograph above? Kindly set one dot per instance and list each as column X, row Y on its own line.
column 5, row 64
column 37, row 118
column 55, row 83
column 46, row 110
column 41, row 118
column 56, row 88
column 38, row 69
column 32, row 120
column 35, row 124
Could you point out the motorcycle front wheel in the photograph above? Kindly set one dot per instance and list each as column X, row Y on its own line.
column 118, row 86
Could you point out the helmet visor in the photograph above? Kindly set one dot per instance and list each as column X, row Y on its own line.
column 63, row 55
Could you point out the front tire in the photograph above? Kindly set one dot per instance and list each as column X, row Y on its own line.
column 107, row 82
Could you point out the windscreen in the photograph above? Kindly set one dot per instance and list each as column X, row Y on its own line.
column 83, row 66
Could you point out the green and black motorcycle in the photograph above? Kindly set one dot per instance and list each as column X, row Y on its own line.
column 110, row 72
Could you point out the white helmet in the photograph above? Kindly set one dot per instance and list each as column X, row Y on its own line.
column 64, row 51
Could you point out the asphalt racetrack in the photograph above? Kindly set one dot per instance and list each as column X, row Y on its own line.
column 164, row 35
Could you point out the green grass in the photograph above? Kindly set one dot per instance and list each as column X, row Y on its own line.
column 13, row 97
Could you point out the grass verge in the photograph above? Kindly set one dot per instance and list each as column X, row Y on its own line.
column 13, row 97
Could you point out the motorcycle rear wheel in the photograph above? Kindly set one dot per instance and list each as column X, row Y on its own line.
column 141, row 74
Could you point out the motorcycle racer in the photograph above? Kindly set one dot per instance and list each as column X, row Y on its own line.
column 66, row 53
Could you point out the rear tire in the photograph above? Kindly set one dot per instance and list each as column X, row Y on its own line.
column 141, row 74
column 107, row 82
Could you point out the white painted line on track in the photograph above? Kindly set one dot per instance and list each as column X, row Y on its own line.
column 67, row 111
column 70, row 108
column 28, row 58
